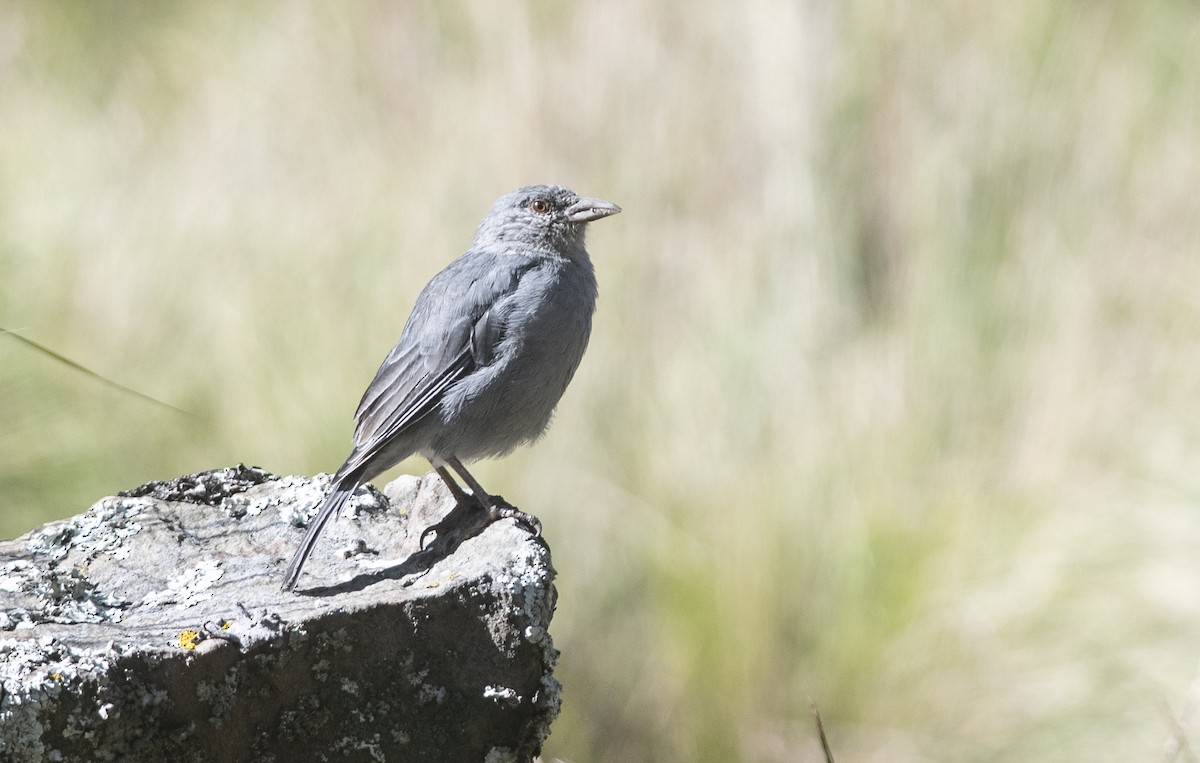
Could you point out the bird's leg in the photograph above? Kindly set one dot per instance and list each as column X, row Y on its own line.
column 495, row 506
column 460, row 495
column 485, row 508
column 461, row 499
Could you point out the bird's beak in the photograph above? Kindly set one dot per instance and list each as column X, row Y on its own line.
column 587, row 209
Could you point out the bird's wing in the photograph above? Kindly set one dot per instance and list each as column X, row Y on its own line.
column 452, row 331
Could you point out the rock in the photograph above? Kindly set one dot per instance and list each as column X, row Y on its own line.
column 152, row 627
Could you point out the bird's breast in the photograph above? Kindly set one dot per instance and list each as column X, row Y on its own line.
column 545, row 324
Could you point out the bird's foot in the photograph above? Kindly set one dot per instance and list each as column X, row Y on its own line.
column 502, row 509
column 459, row 525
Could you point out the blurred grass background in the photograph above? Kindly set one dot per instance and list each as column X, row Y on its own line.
column 891, row 403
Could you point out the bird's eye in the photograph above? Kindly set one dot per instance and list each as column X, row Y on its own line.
column 541, row 206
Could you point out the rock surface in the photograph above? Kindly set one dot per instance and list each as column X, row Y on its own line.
column 152, row 627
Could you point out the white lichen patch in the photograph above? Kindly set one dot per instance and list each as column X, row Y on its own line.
column 78, row 601
column 370, row 746
column 500, row 755
column 33, row 674
column 525, row 586
column 15, row 576
column 54, row 596
column 502, row 695
column 307, row 492
column 427, row 693
column 189, row 587
column 220, row 696
column 101, row 529
column 16, row 619
column 247, row 629
column 306, row 497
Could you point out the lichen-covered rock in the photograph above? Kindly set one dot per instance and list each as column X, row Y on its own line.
column 152, row 627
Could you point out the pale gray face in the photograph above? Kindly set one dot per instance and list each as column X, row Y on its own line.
column 542, row 217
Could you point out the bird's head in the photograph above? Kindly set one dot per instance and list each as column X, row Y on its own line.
column 548, row 218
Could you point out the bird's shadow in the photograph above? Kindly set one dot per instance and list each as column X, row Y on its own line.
column 460, row 524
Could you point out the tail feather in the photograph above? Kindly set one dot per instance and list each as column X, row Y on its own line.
column 333, row 503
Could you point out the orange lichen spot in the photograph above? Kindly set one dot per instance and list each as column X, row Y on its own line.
column 189, row 639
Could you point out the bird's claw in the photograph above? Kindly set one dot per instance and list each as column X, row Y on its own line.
column 431, row 530
column 502, row 509
column 458, row 527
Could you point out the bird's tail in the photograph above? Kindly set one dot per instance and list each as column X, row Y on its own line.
column 341, row 492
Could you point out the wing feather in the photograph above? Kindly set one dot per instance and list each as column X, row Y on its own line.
column 449, row 334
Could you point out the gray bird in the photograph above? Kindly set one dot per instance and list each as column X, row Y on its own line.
column 486, row 354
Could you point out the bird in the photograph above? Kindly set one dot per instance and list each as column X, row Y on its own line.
column 488, row 350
